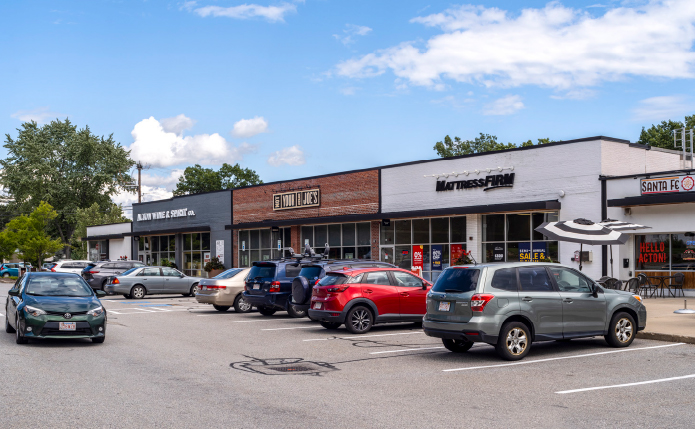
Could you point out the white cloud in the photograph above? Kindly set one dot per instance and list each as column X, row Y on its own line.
column 290, row 155
column 662, row 108
column 555, row 47
column 350, row 31
column 149, row 193
column 168, row 182
column 349, row 90
column 504, row 106
column 160, row 148
column 41, row 115
column 250, row 127
column 575, row 94
column 178, row 124
column 243, row 11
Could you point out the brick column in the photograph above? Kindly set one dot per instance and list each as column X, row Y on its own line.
column 294, row 239
column 375, row 225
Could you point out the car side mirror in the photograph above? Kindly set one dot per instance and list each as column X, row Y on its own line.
column 182, row 275
column 594, row 291
column 13, row 292
column 100, row 293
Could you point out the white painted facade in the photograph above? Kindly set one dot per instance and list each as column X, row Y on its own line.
column 117, row 247
column 566, row 172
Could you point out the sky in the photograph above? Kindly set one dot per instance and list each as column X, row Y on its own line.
column 301, row 88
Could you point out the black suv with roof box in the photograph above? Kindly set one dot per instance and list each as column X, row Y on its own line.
column 269, row 285
column 311, row 273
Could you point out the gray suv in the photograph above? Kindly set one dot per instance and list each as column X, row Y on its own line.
column 97, row 273
column 512, row 305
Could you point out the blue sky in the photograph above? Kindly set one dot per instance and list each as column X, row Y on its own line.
column 299, row 88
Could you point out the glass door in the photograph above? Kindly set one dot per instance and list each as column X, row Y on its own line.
column 387, row 254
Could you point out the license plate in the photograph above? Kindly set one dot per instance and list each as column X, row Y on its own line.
column 318, row 305
column 67, row 326
column 256, row 286
column 204, row 288
column 444, row 305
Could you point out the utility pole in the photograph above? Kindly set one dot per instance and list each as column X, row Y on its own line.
column 139, row 167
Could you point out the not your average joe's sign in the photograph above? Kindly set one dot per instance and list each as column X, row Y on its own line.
column 667, row 185
column 166, row 214
column 297, row 199
column 489, row 182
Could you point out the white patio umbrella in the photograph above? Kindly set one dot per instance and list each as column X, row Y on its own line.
column 617, row 225
column 582, row 231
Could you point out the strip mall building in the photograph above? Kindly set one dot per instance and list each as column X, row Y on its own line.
column 421, row 215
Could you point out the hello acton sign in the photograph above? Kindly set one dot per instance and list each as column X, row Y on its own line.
column 297, row 199
column 166, row 214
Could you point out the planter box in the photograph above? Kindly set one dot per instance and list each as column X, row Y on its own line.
column 213, row 273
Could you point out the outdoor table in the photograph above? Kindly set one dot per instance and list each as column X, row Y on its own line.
column 662, row 281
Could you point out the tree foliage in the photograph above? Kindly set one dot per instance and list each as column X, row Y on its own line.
column 70, row 169
column 197, row 179
column 90, row 216
column 29, row 234
column 483, row 143
column 661, row 135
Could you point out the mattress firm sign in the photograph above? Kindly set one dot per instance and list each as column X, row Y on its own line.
column 167, row 214
column 667, row 185
column 489, row 182
column 297, row 199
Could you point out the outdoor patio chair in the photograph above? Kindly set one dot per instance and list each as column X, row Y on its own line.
column 614, row 284
column 645, row 286
column 677, row 284
column 633, row 285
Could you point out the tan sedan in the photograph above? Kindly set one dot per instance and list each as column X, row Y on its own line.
column 224, row 291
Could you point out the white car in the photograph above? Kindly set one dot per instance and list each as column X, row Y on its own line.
column 74, row 267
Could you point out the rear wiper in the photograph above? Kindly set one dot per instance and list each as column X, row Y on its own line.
column 452, row 291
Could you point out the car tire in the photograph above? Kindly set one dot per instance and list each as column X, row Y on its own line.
column 103, row 284
column 138, row 292
column 266, row 311
column 331, row 325
column 99, row 340
column 241, row 305
column 194, row 290
column 294, row 312
column 457, row 346
column 621, row 331
column 221, row 308
column 8, row 328
column 6, row 275
column 19, row 338
column 126, row 296
column 359, row 320
column 514, row 342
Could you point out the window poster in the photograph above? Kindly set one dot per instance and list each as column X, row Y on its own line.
column 437, row 257
column 456, row 252
column 532, row 253
column 418, row 259
column 219, row 250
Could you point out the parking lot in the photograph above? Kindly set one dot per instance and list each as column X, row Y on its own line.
column 169, row 361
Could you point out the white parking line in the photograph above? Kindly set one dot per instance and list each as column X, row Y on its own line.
column 282, row 329
column 251, row 321
column 362, row 336
column 661, row 380
column 562, row 357
column 405, row 350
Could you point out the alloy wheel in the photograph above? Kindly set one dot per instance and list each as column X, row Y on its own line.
column 516, row 341
column 360, row 319
column 244, row 305
column 623, row 330
column 194, row 290
column 138, row 292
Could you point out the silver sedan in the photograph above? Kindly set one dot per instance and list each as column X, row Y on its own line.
column 138, row 282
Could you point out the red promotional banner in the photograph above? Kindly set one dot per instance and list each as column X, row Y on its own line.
column 418, row 259
column 456, row 252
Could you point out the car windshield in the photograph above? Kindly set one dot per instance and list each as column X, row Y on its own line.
column 58, row 286
column 262, row 271
column 457, row 280
column 227, row 274
column 125, row 273
column 311, row 273
column 332, row 279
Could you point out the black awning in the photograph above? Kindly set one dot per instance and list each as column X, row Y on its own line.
column 648, row 200
column 104, row 237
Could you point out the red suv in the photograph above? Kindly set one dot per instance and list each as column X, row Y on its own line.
column 360, row 298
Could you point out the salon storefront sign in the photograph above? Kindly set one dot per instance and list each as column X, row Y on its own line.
column 667, row 185
column 166, row 214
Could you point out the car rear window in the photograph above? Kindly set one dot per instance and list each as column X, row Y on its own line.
column 227, row 274
column 262, row 271
column 333, row 279
column 310, row 273
column 457, row 280
column 125, row 273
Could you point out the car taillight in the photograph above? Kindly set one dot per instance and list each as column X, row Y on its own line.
column 53, row 269
column 480, row 300
column 215, row 287
column 274, row 287
column 93, row 272
column 337, row 289
column 316, row 282
column 115, row 281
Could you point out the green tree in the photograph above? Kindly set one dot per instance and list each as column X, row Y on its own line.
column 661, row 135
column 197, row 179
column 68, row 168
column 7, row 246
column 483, row 143
column 528, row 143
column 90, row 216
column 29, row 234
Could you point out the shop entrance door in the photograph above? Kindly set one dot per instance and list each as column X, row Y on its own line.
column 387, row 254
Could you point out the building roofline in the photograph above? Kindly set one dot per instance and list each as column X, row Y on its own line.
column 654, row 173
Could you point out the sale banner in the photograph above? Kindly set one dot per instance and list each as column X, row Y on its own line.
column 418, row 259
column 456, row 252
column 437, row 257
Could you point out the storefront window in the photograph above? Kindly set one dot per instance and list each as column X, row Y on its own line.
column 403, row 235
column 153, row 249
column 262, row 244
column 664, row 252
column 510, row 238
column 683, row 252
column 196, row 252
column 346, row 240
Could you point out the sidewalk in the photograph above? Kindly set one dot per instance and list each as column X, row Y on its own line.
column 664, row 325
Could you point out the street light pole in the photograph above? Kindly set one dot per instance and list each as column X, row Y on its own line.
column 139, row 167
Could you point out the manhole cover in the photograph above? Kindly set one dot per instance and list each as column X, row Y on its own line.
column 284, row 366
column 291, row 368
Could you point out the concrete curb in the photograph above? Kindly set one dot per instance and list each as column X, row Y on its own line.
column 666, row 337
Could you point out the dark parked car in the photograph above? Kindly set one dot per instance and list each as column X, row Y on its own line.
column 97, row 273
column 54, row 305
column 311, row 273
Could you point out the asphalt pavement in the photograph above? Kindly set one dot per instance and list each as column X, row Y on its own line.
column 171, row 362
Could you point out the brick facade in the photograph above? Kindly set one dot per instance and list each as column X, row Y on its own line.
column 341, row 194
